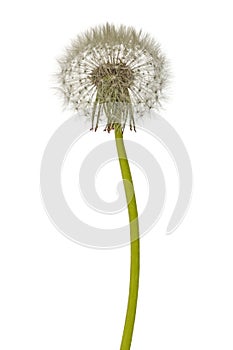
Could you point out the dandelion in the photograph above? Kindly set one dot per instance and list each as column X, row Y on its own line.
column 113, row 74
column 116, row 74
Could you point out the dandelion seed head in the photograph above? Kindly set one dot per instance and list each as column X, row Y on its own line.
column 113, row 73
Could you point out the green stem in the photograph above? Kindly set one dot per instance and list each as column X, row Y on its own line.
column 134, row 238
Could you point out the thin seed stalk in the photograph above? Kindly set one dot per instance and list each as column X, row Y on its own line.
column 134, row 239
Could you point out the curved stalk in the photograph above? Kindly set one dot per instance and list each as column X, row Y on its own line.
column 134, row 238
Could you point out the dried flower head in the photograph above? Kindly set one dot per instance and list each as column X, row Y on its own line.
column 113, row 73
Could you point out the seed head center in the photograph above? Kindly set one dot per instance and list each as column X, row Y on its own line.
column 109, row 75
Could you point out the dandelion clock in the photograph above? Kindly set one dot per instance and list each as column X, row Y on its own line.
column 114, row 75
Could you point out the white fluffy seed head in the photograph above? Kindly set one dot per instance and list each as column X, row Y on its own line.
column 113, row 73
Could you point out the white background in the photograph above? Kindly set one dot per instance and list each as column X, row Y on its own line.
column 55, row 294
